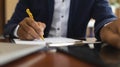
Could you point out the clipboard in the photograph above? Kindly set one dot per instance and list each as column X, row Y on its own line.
column 83, row 53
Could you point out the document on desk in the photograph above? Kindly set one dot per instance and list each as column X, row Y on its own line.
column 54, row 42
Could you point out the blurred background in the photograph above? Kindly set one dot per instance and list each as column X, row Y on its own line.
column 7, row 8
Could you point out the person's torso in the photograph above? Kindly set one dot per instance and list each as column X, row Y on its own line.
column 79, row 15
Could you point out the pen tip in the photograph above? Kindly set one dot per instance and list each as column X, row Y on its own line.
column 42, row 38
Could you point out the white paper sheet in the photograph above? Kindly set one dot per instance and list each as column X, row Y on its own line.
column 56, row 41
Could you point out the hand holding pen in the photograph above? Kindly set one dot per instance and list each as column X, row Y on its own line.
column 29, row 29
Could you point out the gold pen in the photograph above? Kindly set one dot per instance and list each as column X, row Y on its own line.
column 31, row 16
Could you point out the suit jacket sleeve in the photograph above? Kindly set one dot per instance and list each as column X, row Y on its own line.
column 103, row 14
column 18, row 15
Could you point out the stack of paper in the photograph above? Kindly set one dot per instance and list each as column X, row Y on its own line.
column 56, row 41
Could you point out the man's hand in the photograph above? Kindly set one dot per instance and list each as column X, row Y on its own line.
column 30, row 29
column 110, row 33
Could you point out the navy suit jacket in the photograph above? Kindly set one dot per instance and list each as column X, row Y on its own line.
column 81, row 11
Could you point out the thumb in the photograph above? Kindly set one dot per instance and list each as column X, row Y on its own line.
column 42, row 27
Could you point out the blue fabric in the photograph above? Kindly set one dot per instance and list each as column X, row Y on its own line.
column 81, row 11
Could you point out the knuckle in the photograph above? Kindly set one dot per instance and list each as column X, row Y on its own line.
column 44, row 25
column 26, row 18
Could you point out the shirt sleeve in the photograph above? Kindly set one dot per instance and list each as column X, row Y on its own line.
column 15, row 31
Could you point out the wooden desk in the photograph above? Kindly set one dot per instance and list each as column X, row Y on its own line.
column 57, row 59
column 47, row 59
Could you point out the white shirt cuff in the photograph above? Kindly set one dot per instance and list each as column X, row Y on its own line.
column 107, row 24
column 15, row 31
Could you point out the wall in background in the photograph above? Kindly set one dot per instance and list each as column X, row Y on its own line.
column 9, row 8
column 2, row 16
